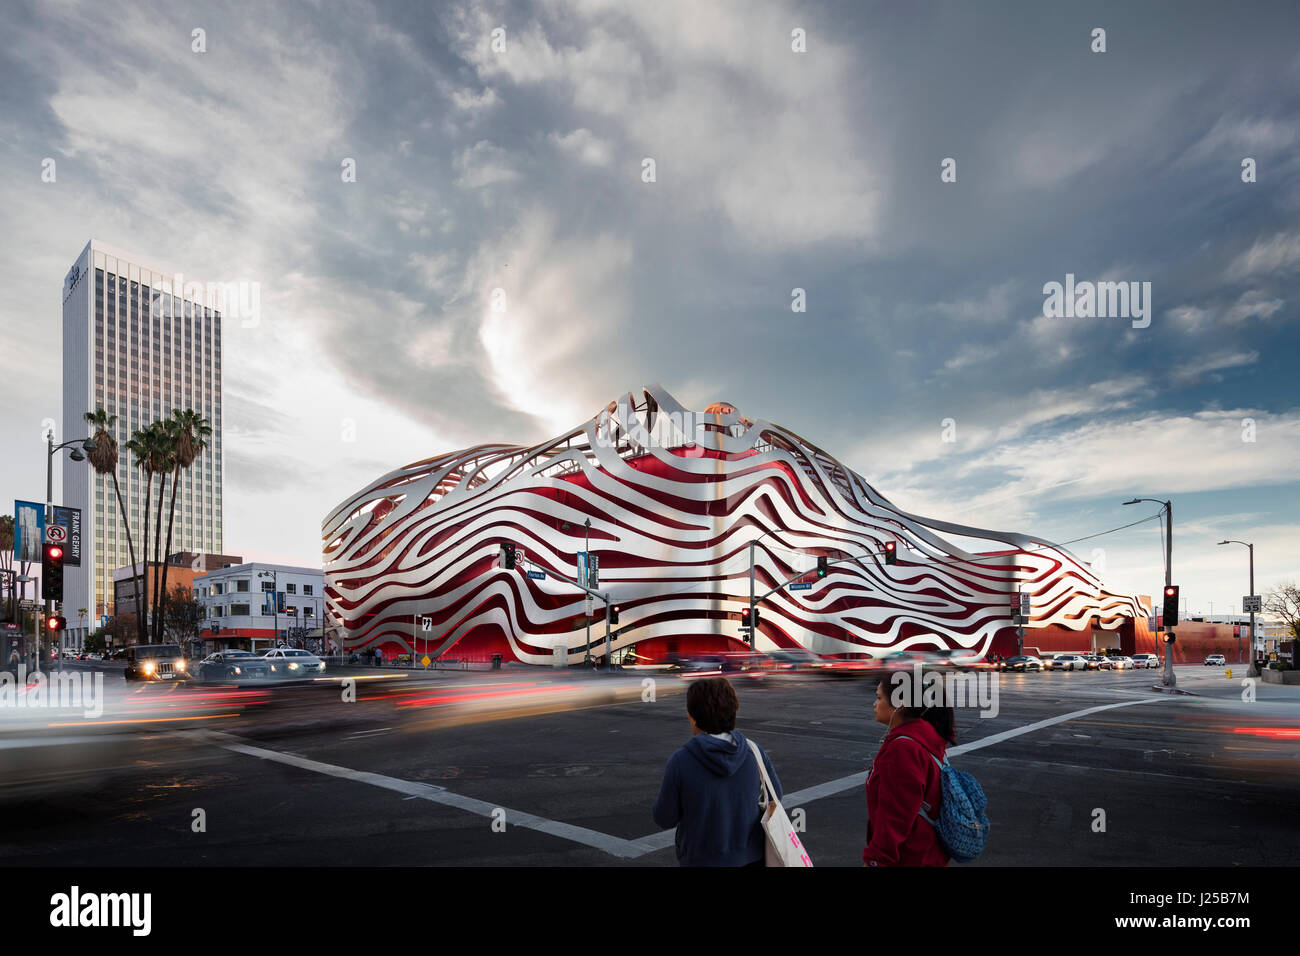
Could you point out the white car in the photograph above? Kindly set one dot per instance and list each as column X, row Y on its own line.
column 290, row 662
column 1068, row 662
column 1149, row 661
column 1215, row 660
column 1121, row 663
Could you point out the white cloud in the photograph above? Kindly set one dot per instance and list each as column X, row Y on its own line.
column 484, row 164
column 1281, row 253
column 584, row 146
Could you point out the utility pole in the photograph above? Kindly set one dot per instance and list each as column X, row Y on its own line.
column 1170, row 679
column 587, row 577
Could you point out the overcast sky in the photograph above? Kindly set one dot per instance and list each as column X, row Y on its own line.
column 775, row 170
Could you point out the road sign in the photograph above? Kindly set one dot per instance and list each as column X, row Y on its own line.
column 56, row 534
column 593, row 574
column 1252, row 602
column 537, row 575
column 426, row 624
column 801, row 586
column 425, row 660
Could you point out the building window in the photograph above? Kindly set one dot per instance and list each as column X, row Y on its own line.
column 241, row 585
column 290, row 588
column 306, row 589
column 239, row 610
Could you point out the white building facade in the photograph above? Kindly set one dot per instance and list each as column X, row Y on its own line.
column 258, row 605
column 138, row 341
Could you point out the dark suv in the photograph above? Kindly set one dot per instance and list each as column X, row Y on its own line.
column 156, row 662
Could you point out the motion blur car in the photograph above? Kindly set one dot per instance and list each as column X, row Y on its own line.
column 233, row 666
column 1215, row 660
column 288, row 662
column 1098, row 662
column 155, row 662
column 1022, row 663
column 905, row 659
column 1068, row 662
column 1149, row 661
column 960, row 657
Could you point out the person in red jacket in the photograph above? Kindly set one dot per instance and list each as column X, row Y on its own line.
column 902, row 776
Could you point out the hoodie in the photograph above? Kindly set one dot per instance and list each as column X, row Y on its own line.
column 901, row 777
column 710, row 793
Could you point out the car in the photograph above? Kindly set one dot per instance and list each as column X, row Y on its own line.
column 1215, row 660
column 233, row 665
column 1068, row 662
column 1148, row 661
column 1022, row 663
column 1121, row 663
column 288, row 662
column 960, row 657
column 155, row 662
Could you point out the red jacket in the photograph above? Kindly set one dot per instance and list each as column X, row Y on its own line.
column 901, row 777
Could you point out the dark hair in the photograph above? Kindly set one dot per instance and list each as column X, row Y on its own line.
column 712, row 704
column 942, row 718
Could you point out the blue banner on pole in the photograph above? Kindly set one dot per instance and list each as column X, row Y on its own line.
column 29, row 530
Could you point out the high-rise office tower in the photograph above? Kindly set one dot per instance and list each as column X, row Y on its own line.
column 138, row 341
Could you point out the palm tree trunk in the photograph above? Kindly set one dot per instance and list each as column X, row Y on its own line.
column 157, row 571
column 130, row 545
column 171, row 517
column 141, row 608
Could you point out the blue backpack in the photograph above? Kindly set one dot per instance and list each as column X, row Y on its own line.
column 963, row 827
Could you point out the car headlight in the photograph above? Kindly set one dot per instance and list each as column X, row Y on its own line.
column 180, row 665
column 238, row 671
column 293, row 667
column 148, row 668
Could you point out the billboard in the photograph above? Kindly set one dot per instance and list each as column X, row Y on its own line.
column 70, row 520
column 29, row 530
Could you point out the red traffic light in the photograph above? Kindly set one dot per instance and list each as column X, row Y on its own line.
column 55, row 622
column 1170, row 591
column 56, row 552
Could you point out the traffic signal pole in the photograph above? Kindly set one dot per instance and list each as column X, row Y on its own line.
column 1171, row 679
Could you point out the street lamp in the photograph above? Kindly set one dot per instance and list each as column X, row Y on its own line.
column 1170, row 680
column 275, row 604
column 1251, row 669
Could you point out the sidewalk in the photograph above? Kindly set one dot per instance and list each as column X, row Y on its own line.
column 1214, row 684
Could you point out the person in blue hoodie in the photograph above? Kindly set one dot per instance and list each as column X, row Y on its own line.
column 711, row 785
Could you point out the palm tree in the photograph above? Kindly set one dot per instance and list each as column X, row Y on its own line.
column 7, row 552
column 163, row 465
column 104, row 460
column 144, row 446
column 190, row 432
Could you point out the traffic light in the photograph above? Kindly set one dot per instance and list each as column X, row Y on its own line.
column 55, row 623
column 1171, row 606
column 613, row 614
column 507, row 557
column 52, row 573
column 821, row 566
column 891, row 552
column 744, row 618
column 1169, row 637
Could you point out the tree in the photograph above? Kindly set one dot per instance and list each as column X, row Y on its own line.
column 104, row 459
column 122, row 628
column 1283, row 602
column 7, row 564
column 189, row 433
column 146, row 445
column 182, row 615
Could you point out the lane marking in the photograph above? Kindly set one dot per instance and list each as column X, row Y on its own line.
column 615, row 846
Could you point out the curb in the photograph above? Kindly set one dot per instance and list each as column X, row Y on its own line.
column 1173, row 690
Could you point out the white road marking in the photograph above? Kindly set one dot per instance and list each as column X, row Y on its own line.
column 615, row 846
column 831, row 787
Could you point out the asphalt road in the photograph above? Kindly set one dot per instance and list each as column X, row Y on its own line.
column 531, row 767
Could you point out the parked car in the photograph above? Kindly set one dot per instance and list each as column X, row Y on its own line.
column 1148, row 661
column 1121, row 663
column 290, row 662
column 155, row 662
column 1215, row 660
column 233, row 666
column 1022, row 663
column 1098, row 662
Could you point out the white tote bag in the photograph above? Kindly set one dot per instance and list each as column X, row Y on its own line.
column 784, row 848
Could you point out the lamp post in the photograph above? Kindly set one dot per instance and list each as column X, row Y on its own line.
column 586, row 547
column 1251, row 669
column 1170, row 680
column 77, row 454
column 275, row 604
